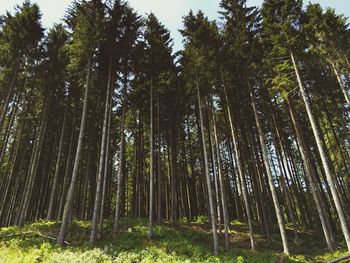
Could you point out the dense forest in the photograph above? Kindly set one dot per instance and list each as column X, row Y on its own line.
column 100, row 119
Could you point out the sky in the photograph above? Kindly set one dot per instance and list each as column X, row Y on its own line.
column 169, row 12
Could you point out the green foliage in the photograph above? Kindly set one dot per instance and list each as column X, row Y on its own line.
column 169, row 245
column 201, row 219
column 20, row 33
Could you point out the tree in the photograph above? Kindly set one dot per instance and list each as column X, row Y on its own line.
column 85, row 38
column 20, row 35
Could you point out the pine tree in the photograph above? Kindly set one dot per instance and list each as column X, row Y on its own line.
column 86, row 23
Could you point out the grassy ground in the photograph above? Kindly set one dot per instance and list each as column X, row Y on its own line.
column 185, row 243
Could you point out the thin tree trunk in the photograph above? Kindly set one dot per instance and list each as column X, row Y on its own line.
column 57, row 168
column 8, row 185
column 151, row 170
column 222, row 186
column 66, row 172
column 173, row 174
column 11, row 121
column 310, row 175
column 97, row 203
column 276, row 203
column 120, row 172
column 237, row 157
column 216, row 183
column 341, row 84
column 104, row 189
column 159, row 160
column 6, row 102
column 322, row 150
column 35, row 162
column 282, row 161
column 210, row 195
column 69, row 201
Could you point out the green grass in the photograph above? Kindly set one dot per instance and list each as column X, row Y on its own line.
column 184, row 243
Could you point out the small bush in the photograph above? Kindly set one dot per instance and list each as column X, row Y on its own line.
column 201, row 219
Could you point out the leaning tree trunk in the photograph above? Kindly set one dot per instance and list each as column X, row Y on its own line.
column 210, row 194
column 240, row 169
column 69, row 200
column 311, row 176
column 276, row 203
column 37, row 151
column 6, row 102
column 325, row 161
column 9, row 184
column 8, row 129
column 283, row 164
column 341, row 84
column 97, row 203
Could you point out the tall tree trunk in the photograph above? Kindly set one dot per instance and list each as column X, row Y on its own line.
column 18, row 141
column 151, row 170
column 11, row 121
column 173, row 172
column 282, row 161
column 66, row 173
column 37, row 150
column 216, row 182
column 97, row 203
column 325, row 161
column 221, row 181
column 210, row 194
column 120, row 172
column 276, row 203
column 159, row 171
column 241, row 178
column 104, row 188
column 70, row 195
column 57, row 168
column 305, row 155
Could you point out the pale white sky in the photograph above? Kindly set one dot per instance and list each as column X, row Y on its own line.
column 169, row 12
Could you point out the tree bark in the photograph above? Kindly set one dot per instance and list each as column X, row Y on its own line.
column 57, row 168
column 325, row 161
column 159, row 171
column 11, row 121
column 69, row 200
column 276, row 203
column 210, row 195
column 106, row 162
column 97, row 203
column 237, row 157
column 305, row 155
column 120, row 172
column 151, row 170
column 37, row 150
column 222, row 186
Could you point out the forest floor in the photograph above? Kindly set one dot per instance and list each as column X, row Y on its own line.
column 188, row 242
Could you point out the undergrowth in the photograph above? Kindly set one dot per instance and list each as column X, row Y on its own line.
column 188, row 242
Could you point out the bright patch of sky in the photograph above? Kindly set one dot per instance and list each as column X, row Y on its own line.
column 169, row 12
